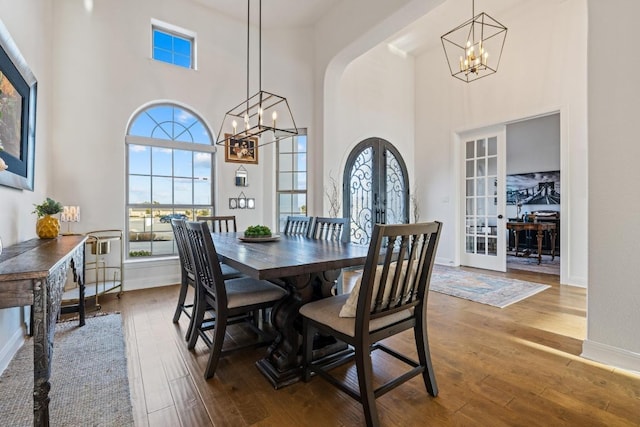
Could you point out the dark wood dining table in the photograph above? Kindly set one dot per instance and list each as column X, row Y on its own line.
column 308, row 268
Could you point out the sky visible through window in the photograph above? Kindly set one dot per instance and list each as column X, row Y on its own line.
column 169, row 176
column 172, row 48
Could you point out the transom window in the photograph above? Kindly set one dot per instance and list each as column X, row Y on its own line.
column 169, row 175
column 291, row 177
column 173, row 45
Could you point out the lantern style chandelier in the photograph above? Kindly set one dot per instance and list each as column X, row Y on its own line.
column 474, row 48
column 263, row 115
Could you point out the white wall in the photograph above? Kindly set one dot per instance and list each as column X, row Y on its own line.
column 29, row 24
column 375, row 99
column 613, row 309
column 523, row 87
column 103, row 74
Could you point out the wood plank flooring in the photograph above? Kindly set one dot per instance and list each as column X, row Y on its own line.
column 517, row 366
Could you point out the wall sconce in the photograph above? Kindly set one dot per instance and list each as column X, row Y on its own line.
column 70, row 214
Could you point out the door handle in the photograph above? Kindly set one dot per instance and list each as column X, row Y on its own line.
column 500, row 217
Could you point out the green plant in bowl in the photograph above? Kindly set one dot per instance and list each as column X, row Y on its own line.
column 257, row 231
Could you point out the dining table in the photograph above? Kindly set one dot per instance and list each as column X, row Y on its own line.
column 308, row 269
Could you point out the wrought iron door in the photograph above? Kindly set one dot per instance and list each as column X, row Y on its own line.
column 376, row 188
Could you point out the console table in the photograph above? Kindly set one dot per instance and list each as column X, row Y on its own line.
column 539, row 228
column 34, row 273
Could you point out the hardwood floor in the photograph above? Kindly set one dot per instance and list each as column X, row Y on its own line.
column 517, row 366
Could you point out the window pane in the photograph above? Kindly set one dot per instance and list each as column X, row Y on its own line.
column 286, row 163
column 202, row 193
column 182, row 163
column 300, row 181
column 162, row 40
column 301, row 162
column 286, row 181
column 139, row 189
column 139, row 160
column 182, row 191
column 182, row 46
column 162, row 190
column 202, row 166
column 286, row 145
column 162, row 55
column 162, row 164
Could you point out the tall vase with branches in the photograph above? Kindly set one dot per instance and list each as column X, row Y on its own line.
column 415, row 207
column 333, row 195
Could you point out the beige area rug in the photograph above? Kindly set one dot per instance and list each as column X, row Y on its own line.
column 89, row 381
column 483, row 288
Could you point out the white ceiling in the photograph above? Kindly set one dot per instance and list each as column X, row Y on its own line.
column 275, row 13
column 421, row 35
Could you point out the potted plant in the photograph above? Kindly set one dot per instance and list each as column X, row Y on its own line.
column 48, row 227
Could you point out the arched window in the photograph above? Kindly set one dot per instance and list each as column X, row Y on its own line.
column 169, row 175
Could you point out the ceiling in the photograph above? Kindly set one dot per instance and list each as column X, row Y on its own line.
column 275, row 13
column 421, row 35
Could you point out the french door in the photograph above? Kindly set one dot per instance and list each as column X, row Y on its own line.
column 376, row 188
column 483, row 199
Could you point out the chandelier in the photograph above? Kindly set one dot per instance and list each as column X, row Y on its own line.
column 474, row 48
column 263, row 115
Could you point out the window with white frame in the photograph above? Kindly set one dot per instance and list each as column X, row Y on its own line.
column 169, row 175
column 291, row 177
column 173, row 45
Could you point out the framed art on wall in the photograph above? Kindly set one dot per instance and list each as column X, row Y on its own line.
column 241, row 150
column 17, row 115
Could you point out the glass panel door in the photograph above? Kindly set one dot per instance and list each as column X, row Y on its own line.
column 483, row 201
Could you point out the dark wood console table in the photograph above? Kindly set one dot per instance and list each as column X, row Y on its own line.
column 34, row 273
column 539, row 228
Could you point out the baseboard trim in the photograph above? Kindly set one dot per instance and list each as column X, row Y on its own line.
column 612, row 356
column 11, row 348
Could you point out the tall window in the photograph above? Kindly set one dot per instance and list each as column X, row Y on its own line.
column 173, row 45
column 292, row 177
column 169, row 175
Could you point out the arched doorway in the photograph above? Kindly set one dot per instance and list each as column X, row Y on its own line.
column 375, row 189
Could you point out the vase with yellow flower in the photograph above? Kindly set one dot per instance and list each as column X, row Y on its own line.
column 48, row 227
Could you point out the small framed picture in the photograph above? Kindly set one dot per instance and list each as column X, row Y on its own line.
column 233, row 203
column 241, row 150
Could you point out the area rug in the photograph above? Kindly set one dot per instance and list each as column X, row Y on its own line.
column 89, row 382
column 486, row 289
column 531, row 264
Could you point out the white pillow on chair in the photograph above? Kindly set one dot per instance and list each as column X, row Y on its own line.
column 350, row 306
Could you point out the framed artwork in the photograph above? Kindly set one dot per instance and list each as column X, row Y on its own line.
column 535, row 188
column 17, row 115
column 241, row 150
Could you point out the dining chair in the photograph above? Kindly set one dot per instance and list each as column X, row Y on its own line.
column 298, row 225
column 335, row 230
column 220, row 224
column 232, row 300
column 187, row 274
column 391, row 297
column 331, row 229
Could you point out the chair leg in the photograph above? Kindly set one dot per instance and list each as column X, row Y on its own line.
column 197, row 317
column 424, row 356
column 307, row 349
column 184, row 287
column 365, row 382
column 219, row 332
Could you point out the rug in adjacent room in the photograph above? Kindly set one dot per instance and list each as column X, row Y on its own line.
column 89, row 381
column 486, row 289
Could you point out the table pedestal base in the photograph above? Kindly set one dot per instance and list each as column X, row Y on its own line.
column 282, row 365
